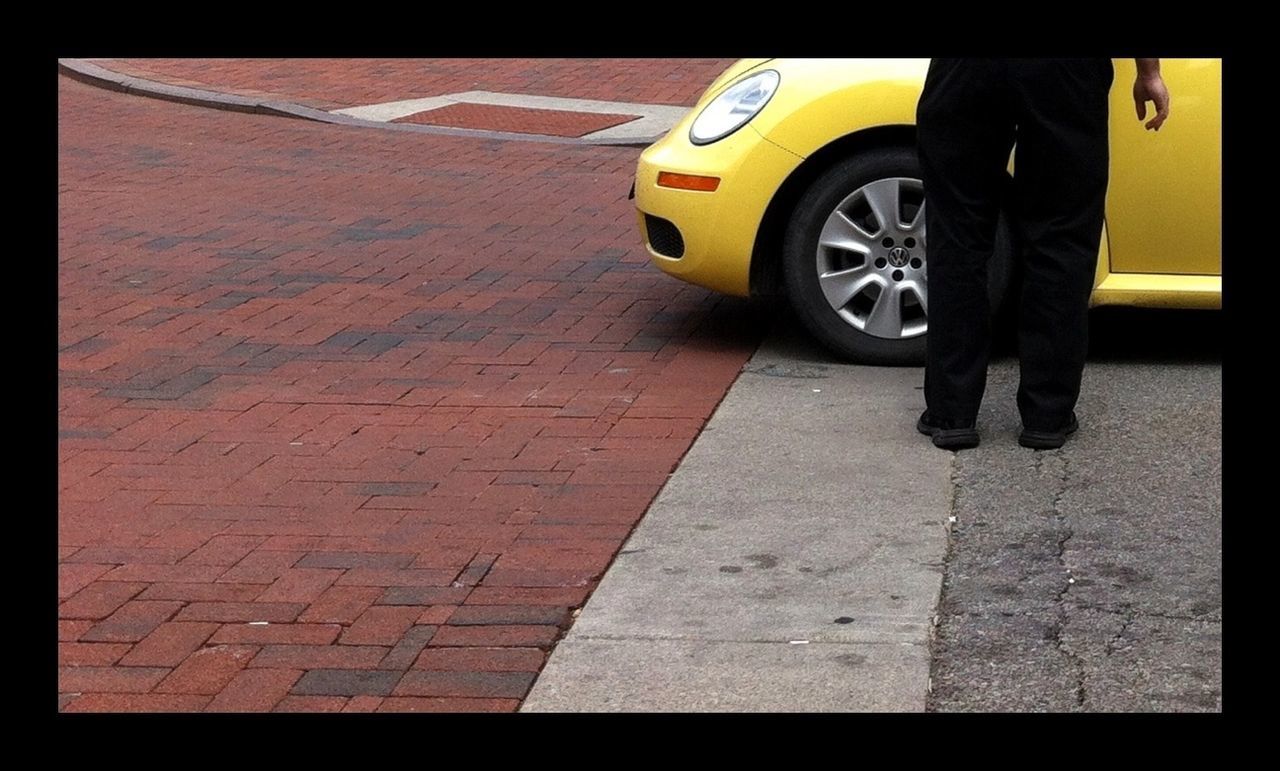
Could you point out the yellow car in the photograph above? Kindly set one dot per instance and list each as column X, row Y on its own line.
column 787, row 174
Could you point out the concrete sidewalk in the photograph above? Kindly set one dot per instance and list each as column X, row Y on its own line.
column 792, row 563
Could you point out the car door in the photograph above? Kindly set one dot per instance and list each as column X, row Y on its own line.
column 1164, row 201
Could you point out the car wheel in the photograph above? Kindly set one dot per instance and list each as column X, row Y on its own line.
column 855, row 264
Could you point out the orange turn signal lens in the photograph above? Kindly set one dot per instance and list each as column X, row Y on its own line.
column 688, row 182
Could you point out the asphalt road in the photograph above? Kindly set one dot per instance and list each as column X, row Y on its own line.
column 796, row 559
column 1089, row 578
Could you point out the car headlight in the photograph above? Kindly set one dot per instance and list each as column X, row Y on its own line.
column 731, row 110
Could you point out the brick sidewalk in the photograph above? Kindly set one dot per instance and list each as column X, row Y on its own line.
column 350, row 419
column 331, row 84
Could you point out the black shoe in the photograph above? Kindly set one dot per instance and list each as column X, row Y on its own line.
column 948, row 437
column 1048, row 440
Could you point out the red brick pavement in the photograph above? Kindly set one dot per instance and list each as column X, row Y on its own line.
column 350, row 419
column 331, row 84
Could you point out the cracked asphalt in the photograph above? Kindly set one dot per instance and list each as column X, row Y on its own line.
column 1089, row 578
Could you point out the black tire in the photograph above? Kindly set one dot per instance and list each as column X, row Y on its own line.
column 801, row 259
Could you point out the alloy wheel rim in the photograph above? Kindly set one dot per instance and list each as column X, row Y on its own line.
column 871, row 259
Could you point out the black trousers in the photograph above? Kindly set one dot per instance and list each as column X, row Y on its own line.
column 971, row 114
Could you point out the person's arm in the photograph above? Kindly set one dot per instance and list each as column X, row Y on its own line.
column 1149, row 87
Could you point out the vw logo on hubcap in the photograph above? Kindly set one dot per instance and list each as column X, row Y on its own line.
column 898, row 256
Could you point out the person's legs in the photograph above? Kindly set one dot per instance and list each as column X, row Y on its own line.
column 965, row 133
column 1060, row 181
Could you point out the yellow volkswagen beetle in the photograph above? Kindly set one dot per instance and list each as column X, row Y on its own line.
column 788, row 173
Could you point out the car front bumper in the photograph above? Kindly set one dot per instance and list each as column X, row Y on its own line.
column 718, row 229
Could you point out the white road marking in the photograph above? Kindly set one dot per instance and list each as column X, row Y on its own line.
column 389, row 111
column 652, row 121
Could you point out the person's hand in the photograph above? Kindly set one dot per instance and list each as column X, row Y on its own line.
column 1149, row 87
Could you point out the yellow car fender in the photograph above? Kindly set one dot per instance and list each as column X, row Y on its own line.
column 812, row 106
